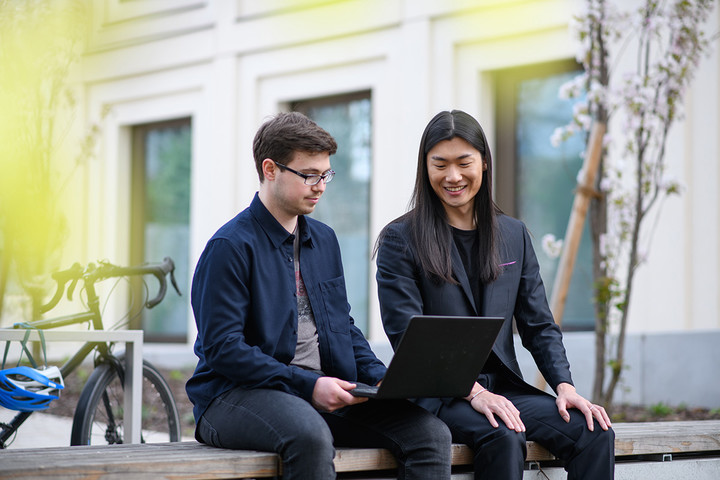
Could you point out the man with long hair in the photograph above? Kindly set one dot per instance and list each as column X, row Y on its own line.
column 455, row 253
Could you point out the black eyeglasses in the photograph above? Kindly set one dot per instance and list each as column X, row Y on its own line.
column 310, row 178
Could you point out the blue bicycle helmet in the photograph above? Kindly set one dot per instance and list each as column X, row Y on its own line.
column 28, row 389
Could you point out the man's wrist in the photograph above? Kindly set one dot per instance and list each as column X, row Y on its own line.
column 565, row 387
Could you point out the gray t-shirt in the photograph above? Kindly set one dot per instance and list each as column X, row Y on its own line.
column 307, row 352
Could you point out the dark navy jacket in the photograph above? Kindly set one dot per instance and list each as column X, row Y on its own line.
column 243, row 297
column 404, row 290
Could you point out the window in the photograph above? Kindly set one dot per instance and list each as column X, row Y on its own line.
column 160, row 222
column 535, row 181
column 346, row 201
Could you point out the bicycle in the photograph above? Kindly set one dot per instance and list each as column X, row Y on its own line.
column 98, row 417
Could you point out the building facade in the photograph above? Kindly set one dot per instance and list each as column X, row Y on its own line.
column 179, row 87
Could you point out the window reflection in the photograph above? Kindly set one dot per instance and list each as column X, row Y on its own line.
column 546, row 181
column 161, row 219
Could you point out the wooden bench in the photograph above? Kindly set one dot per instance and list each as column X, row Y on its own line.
column 190, row 460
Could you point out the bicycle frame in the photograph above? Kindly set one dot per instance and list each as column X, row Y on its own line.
column 103, row 349
column 93, row 315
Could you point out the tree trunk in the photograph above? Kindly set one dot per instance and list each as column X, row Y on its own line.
column 598, row 223
column 598, row 227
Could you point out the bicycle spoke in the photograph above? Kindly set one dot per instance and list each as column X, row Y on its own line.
column 112, row 434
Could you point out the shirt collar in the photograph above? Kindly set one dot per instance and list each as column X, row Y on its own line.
column 274, row 231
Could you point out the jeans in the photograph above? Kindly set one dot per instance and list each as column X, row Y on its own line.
column 270, row 420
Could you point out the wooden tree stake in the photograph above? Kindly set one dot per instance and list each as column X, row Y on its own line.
column 573, row 234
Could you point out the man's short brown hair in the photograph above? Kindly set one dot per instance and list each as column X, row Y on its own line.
column 286, row 133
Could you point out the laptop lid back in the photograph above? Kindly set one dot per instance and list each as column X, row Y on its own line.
column 439, row 356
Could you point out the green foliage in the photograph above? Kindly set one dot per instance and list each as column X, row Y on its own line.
column 605, row 289
column 660, row 410
column 615, row 366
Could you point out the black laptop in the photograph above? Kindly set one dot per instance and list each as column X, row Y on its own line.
column 438, row 356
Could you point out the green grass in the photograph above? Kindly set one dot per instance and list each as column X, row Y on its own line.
column 660, row 410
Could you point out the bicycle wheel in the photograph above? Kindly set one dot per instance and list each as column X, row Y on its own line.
column 99, row 414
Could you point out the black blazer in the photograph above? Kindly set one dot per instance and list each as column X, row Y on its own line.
column 405, row 290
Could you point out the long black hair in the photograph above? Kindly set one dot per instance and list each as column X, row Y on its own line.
column 430, row 232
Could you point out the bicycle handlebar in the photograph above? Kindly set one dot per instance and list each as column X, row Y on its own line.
column 73, row 274
column 158, row 270
column 104, row 270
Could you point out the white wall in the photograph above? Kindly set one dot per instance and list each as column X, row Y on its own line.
column 229, row 64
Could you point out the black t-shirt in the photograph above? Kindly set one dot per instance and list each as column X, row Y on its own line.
column 466, row 242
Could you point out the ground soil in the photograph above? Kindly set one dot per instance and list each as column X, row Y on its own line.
column 65, row 406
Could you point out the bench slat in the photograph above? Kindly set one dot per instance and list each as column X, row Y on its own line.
column 361, row 459
column 667, row 437
column 185, row 460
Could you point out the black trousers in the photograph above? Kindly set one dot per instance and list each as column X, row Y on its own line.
column 500, row 452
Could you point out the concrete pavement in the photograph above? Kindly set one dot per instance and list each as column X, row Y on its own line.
column 45, row 430
column 40, row 430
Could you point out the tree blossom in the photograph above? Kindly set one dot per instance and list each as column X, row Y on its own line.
column 667, row 42
column 551, row 245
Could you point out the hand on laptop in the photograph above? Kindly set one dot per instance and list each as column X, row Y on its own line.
column 331, row 393
column 492, row 405
column 364, row 390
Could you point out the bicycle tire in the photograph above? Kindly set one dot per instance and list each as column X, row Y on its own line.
column 99, row 417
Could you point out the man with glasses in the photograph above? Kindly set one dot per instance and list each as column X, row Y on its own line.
column 278, row 351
